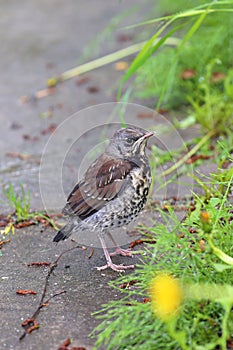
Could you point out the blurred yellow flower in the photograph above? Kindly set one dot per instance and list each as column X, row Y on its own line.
column 206, row 221
column 205, row 217
column 166, row 295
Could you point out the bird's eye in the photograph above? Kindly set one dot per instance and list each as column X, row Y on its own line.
column 129, row 141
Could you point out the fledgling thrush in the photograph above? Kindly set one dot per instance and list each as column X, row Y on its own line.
column 112, row 192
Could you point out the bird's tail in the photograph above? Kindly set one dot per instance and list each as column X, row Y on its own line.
column 65, row 232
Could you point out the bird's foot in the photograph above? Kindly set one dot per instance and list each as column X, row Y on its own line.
column 118, row 268
column 123, row 252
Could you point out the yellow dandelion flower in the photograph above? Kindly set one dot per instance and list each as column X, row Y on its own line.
column 166, row 295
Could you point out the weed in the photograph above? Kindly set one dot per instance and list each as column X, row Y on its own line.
column 197, row 251
column 194, row 251
column 19, row 202
column 21, row 205
column 197, row 71
column 213, row 102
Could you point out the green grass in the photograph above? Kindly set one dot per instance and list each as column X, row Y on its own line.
column 198, row 250
column 189, row 250
column 20, row 202
column 196, row 73
column 205, row 51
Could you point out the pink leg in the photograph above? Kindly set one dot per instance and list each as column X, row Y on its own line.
column 119, row 250
column 119, row 268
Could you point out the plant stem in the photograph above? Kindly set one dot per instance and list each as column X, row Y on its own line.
column 220, row 254
column 112, row 57
column 189, row 154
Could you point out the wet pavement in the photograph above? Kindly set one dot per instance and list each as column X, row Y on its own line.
column 40, row 39
column 67, row 315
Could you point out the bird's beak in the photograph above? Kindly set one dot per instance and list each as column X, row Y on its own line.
column 147, row 135
column 141, row 142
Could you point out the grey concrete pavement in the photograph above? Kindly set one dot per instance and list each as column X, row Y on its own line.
column 67, row 315
column 40, row 39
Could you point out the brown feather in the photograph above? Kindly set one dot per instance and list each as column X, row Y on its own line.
column 102, row 182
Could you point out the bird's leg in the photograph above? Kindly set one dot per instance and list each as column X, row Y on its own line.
column 118, row 250
column 119, row 268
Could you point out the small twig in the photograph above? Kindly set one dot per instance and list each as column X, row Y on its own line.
column 52, row 296
column 42, row 302
column 39, row 263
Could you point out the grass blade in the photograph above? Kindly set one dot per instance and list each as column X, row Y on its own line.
column 149, row 48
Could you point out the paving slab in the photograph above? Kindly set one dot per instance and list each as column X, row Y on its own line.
column 40, row 39
column 68, row 315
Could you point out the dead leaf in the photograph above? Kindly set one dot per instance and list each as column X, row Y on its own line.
column 218, row 77
column 65, row 344
column 24, row 224
column 226, row 164
column 128, row 284
column 192, row 230
column 25, row 292
column 33, row 322
column 93, row 89
column 33, row 328
column 39, row 94
column 91, row 253
column 124, row 37
column 27, row 322
column 136, row 242
column 121, row 65
column 230, row 344
column 26, row 137
column 82, row 80
column 4, row 242
column 49, row 130
column 162, row 111
column 188, row 74
column 145, row 115
column 194, row 158
column 146, row 300
column 8, row 228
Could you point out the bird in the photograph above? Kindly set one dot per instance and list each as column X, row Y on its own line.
column 112, row 192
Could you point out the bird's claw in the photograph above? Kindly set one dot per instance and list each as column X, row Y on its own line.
column 123, row 252
column 118, row 268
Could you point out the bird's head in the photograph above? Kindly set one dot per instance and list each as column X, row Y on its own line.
column 129, row 142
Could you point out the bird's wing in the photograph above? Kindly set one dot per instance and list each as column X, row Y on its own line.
column 102, row 182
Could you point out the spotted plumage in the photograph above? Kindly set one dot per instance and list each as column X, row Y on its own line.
column 113, row 190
